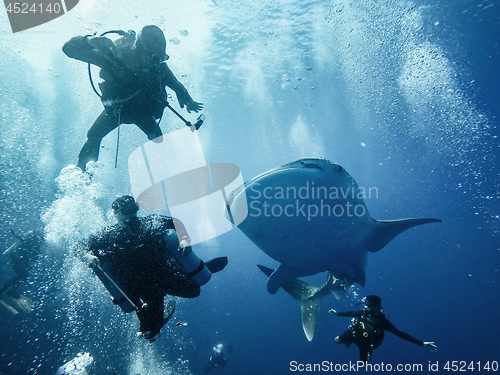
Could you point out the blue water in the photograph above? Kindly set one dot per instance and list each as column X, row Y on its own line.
column 403, row 94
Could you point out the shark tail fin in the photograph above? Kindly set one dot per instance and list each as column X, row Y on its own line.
column 386, row 230
column 310, row 308
column 309, row 298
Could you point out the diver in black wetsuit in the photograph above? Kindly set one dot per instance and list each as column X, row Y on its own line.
column 218, row 359
column 135, row 253
column 135, row 75
column 22, row 255
column 368, row 326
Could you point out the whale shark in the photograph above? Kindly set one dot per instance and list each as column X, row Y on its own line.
column 310, row 216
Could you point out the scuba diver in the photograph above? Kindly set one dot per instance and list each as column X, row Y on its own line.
column 22, row 255
column 218, row 358
column 368, row 326
column 77, row 366
column 135, row 75
column 144, row 259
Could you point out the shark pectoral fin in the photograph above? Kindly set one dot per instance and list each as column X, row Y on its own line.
column 281, row 275
column 386, row 230
column 266, row 270
column 299, row 290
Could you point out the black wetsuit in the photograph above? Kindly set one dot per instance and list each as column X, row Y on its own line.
column 367, row 332
column 217, row 359
column 132, row 92
column 22, row 259
column 137, row 258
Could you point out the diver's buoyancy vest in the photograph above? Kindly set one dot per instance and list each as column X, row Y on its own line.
column 366, row 331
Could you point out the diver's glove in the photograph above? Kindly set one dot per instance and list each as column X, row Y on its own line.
column 430, row 346
column 91, row 260
column 185, row 246
column 334, row 312
column 103, row 45
column 191, row 105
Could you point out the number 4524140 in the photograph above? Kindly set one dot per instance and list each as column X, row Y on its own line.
column 471, row 366
column 25, row 8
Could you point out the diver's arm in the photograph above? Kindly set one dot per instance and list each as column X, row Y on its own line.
column 99, row 51
column 345, row 313
column 388, row 326
column 182, row 234
column 181, row 230
column 90, row 258
column 84, row 251
column 181, row 92
column 430, row 346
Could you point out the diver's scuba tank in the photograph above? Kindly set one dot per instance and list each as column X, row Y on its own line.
column 192, row 264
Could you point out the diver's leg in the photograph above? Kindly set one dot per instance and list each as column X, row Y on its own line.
column 369, row 356
column 11, row 284
column 365, row 352
column 151, row 128
column 210, row 367
column 346, row 338
column 105, row 123
column 151, row 317
column 178, row 284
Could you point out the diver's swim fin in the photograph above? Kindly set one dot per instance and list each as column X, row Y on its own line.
column 16, row 305
column 8, row 307
column 23, row 303
column 169, row 311
column 216, row 264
